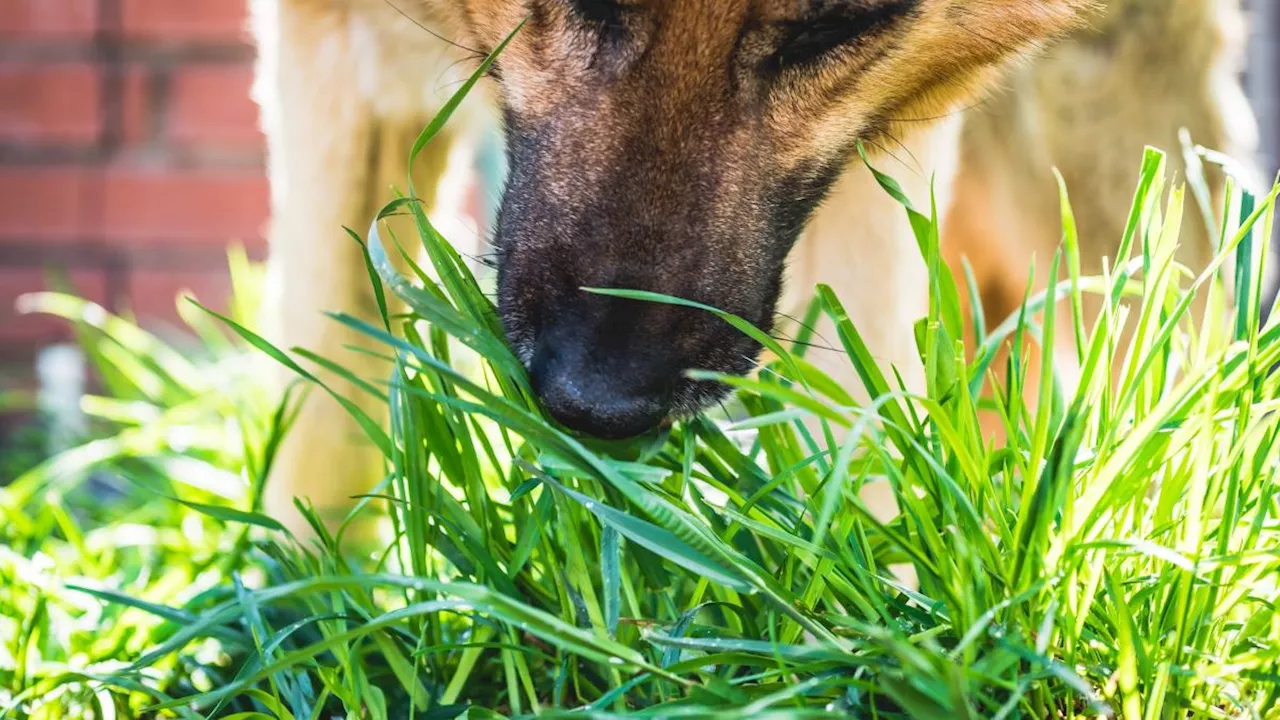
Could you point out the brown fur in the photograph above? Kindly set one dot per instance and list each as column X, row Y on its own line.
column 682, row 154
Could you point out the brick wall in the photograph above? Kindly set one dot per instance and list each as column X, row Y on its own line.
column 129, row 155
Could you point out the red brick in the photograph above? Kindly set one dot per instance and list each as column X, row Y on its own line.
column 55, row 103
column 136, row 117
column 44, row 203
column 177, row 21
column 210, row 105
column 153, row 294
column 203, row 207
column 35, row 330
column 48, row 19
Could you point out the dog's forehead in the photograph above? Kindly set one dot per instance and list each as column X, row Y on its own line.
column 791, row 10
column 767, row 10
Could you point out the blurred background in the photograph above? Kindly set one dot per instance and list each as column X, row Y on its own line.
column 130, row 160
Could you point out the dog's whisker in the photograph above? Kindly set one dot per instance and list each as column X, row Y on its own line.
column 804, row 326
column 914, row 167
column 918, row 166
column 724, row 409
column 431, row 32
column 783, row 337
column 960, row 110
column 811, row 346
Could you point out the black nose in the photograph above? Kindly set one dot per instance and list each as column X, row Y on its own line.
column 599, row 399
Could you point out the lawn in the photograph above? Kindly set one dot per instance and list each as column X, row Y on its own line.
column 1114, row 551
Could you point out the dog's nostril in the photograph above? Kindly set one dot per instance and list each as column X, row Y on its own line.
column 597, row 405
column 609, row 419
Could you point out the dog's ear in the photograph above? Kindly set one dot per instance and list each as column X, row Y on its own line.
column 991, row 28
column 963, row 46
column 1044, row 18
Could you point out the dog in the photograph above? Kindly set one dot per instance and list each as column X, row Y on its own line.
column 705, row 149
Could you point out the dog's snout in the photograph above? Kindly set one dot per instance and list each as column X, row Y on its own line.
column 599, row 399
column 600, row 411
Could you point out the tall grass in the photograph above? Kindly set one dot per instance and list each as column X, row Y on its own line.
column 1115, row 553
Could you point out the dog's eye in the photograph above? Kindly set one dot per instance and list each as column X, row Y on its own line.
column 605, row 13
column 809, row 41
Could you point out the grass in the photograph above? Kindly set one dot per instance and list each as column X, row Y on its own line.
column 1114, row 553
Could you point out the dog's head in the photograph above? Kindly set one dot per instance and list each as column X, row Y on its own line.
column 679, row 147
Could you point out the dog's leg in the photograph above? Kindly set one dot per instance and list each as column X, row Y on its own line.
column 862, row 245
column 320, row 138
column 1156, row 67
column 1150, row 68
column 332, row 163
column 1003, row 231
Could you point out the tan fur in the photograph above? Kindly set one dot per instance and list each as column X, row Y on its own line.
column 340, row 108
column 344, row 83
column 1142, row 70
